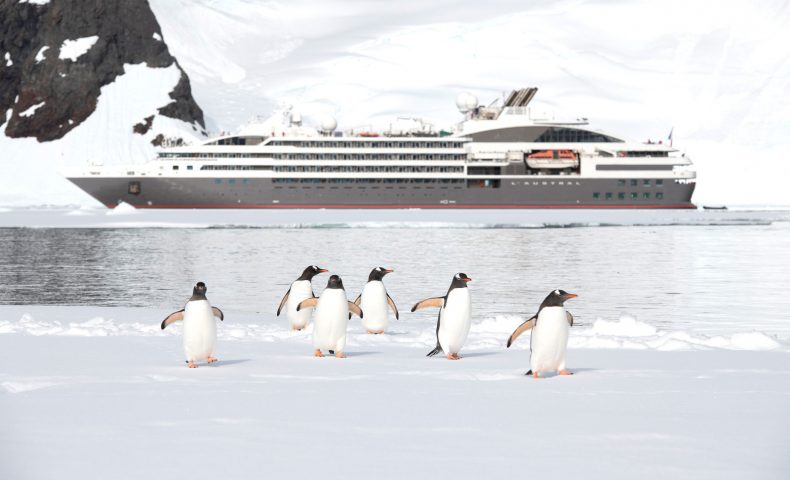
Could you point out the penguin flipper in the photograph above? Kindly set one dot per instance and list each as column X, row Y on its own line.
column 218, row 313
column 283, row 301
column 309, row 303
column 569, row 317
column 391, row 303
column 437, row 302
column 172, row 318
column 521, row 329
column 353, row 308
column 358, row 300
column 436, row 350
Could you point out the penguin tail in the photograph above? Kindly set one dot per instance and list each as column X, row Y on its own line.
column 436, row 350
column 528, row 373
column 332, row 352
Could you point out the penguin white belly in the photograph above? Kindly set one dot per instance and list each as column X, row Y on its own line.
column 455, row 320
column 200, row 330
column 300, row 290
column 331, row 320
column 374, row 306
column 549, row 340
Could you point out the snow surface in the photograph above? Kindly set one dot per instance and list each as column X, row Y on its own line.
column 32, row 110
column 157, row 37
column 106, row 136
column 106, row 387
column 8, row 61
column 74, row 49
column 40, row 54
column 35, row 2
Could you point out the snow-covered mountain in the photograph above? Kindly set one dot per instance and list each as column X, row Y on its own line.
column 84, row 80
column 718, row 75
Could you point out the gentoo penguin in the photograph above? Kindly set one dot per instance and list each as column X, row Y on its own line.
column 200, row 327
column 331, row 317
column 455, row 317
column 374, row 300
column 550, row 327
column 301, row 289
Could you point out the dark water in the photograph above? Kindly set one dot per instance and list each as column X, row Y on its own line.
column 713, row 279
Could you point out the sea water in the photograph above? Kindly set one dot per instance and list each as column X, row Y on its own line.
column 718, row 274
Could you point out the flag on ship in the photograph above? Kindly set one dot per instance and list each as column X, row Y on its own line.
column 669, row 137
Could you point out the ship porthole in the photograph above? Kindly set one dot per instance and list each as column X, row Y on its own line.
column 134, row 188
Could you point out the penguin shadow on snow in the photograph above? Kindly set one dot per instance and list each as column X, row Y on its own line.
column 479, row 354
column 544, row 375
column 224, row 363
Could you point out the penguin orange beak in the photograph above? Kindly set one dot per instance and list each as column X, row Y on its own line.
column 568, row 296
column 467, row 279
column 322, row 270
column 389, row 270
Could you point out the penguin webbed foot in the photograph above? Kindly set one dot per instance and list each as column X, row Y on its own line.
column 191, row 364
column 565, row 372
column 318, row 353
column 211, row 359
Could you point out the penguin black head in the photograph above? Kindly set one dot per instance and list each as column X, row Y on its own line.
column 378, row 273
column 311, row 272
column 459, row 281
column 335, row 282
column 557, row 298
column 199, row 291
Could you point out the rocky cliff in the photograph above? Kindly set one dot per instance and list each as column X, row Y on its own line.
column 55, row 56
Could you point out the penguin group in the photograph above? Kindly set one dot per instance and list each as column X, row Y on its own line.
column 332, row 310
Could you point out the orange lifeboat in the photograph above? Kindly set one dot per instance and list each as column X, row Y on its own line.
column 554, row 154
column 553, row 159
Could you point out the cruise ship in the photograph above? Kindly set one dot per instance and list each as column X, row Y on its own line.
column 498, row 156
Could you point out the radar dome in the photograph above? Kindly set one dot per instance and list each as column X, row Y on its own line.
column 466, row 102
column 328, row 124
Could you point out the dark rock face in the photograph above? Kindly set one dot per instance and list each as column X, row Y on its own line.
column 69, row 89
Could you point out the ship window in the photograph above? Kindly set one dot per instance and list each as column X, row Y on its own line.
column 634, row 183
column 134, row 188
column 621, row 183
column 646, row 183
column 659, row 183
column 189, row 167
column 634, row 195
column 608, row 195
column 659, row 195
column 175, row 167
column 646, row 195
column 597, row 195
column 621, row 196
column 573, row 135
column 217, row 181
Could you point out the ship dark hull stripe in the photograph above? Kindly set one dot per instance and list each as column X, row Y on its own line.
column 510, row 194
column 431, row 206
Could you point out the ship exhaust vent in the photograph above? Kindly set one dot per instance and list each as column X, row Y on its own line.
column 521, row 97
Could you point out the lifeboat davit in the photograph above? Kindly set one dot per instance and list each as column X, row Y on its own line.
column 553, row 159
